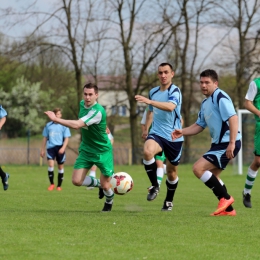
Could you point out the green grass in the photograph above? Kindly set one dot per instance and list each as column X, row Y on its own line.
column 38, row 224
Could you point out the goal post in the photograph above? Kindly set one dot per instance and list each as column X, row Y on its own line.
column 240, row 113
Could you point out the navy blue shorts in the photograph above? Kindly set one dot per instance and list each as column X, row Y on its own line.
column 172, row 150
column 217, row 154
column 53, row 153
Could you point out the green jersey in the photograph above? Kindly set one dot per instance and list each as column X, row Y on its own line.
column 94, row 137
column 256, row 101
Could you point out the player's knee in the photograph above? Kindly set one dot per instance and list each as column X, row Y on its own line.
column 196, row 170
column 105, row 186
column 256, row 163
column 76, row 182
column 148, row 154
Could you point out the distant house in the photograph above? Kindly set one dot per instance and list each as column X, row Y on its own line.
column 112, row 94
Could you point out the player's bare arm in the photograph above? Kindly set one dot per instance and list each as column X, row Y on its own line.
column 233, row 128
column 65, row 143
column 76, row 124
column 44, row 141
column 248, row 104
column 149, row 120
column 2, row 121
column 191, row 130
column 166, row 106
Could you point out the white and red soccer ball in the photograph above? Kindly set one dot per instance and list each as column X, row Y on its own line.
column 121, row 183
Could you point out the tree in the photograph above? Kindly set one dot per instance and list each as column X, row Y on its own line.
column 241, row 18
column 67, row 28
column 24, row 107
column 142, row 35
column 187, row 43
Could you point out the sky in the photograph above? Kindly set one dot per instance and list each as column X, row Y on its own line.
column 209, row 38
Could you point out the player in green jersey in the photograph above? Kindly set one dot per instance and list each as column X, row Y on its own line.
column 95, row 147
column 252, row 103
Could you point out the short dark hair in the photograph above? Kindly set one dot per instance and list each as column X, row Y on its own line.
column 166, row 64
column 56, row 110
column 210, row 74
column 91, row 85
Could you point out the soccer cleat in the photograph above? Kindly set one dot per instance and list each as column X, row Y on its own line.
column 5, row 181
column 223, row 204
column 247, row 200
column 225, row 213
column 167, row 206
column 101, row 193
column 59, row 189
column 152, row 192
column 107, row 207
column 51, row 187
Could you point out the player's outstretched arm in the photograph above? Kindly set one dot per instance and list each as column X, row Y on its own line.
column 177, row 133
column 190, row 130
column 76, row 124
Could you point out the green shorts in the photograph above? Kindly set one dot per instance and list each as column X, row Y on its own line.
column 104, row 161
column 257, row 139
column 160, row 157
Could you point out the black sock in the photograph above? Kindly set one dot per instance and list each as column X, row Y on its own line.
column 219, row 191
column 51, row 176
column 60, row 179
column 151, row 172
column 2, row 173
column 170, row 190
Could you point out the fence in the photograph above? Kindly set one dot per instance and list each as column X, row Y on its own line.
column 122, row 156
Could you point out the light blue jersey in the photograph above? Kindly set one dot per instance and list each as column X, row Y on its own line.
column 165, row 122
column 55, row 134
column 214, row 113
column 2, row 112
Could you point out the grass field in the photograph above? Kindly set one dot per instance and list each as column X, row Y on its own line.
column 38, row 224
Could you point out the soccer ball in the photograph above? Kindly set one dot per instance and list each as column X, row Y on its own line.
column 121, row 183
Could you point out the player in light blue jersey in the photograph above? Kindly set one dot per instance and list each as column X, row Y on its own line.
column 165, row 115
column 217, row 112
column 4, row 175
column 161, row 167
column 56, row 137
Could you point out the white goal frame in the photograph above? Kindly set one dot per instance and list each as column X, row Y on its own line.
column 240, row 112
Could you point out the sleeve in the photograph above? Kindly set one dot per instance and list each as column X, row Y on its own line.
column 3, row 113
column 67, row 132
column 174, row 97
column 93, row 117
column 110, row 136
column 251, row 92
column 45, row 131
column 226, row 109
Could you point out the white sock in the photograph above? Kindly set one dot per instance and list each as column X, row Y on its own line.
column 164, row 169
column 92, row 174
column 90, row 182
column 109, row 194
column 206, row 176
column 173, row 182
column 159, row 173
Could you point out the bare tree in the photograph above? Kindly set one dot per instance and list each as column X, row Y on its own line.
column 68, row 28
column 187, row 43
column 242, row 18
column 142, row 35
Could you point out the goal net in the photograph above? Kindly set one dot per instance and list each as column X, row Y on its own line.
column 246, row 126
